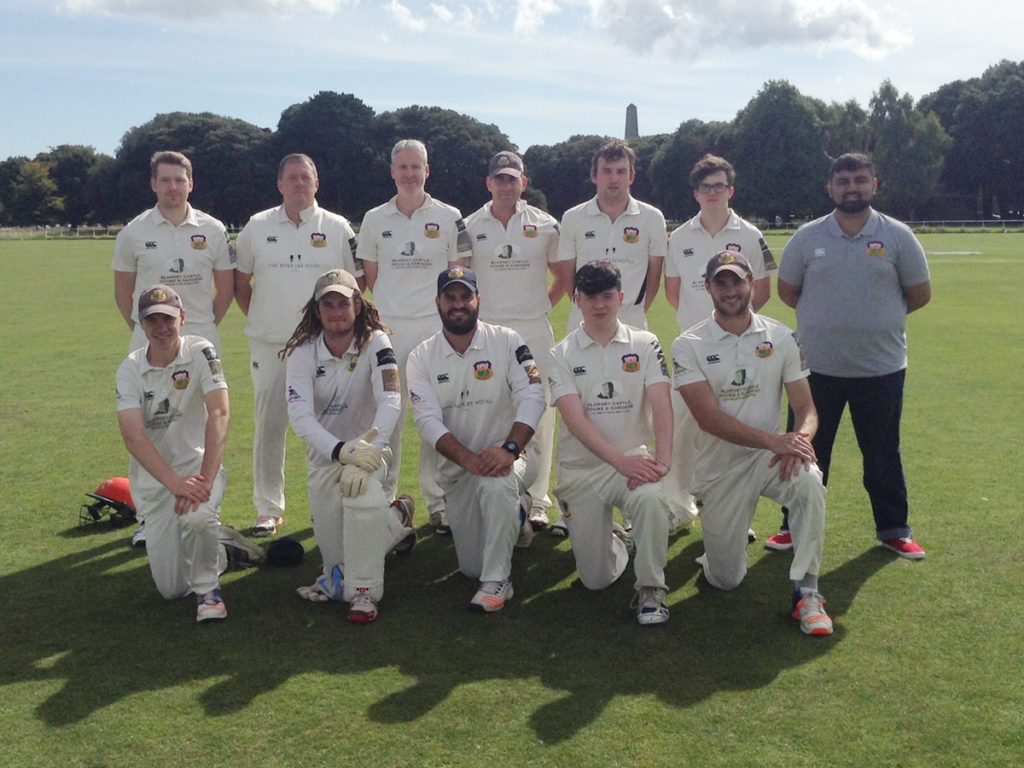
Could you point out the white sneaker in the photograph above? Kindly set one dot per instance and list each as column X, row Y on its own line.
column 210, row 606
column 539, row 518
column 139, row 537
column 651, row 609
column 491, row 596
column 362, row 609
column 266, row 525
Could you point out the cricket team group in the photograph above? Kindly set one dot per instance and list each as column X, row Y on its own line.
column 458, row 331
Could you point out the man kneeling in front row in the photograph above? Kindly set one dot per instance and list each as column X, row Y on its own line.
column 730, row 370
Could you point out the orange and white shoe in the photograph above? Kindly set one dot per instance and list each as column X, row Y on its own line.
column 809, row 609
column 491, row 596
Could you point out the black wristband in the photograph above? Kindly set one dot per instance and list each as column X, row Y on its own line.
column 336, row 451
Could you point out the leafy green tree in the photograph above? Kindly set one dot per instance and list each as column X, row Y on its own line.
column 337, row 130
column 780, row 149
column 70, row 167
column 459, row 149
column 908, row 147
column 34, row 197
column 233, row 171
column 562, row 171
column 10, row 170
column 846, row 128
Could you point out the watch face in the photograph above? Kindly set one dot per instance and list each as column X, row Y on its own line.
column 511, row 447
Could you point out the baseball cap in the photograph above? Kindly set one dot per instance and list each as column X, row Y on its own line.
column 506, row 162
column 728, row 260
column 159, row 299
column 337, row 281
column 457, row 274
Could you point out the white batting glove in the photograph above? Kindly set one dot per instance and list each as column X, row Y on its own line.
column 361, row 452
column 352, row 480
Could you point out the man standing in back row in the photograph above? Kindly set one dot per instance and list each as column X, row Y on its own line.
column 281, row 253
column 615, row 227
column 403, row 244
column 514, row 246
column 853, row 276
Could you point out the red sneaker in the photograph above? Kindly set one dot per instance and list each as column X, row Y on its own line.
column 905, row 547
column 780, row 541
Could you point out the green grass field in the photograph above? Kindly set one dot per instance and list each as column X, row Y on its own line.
column 925, row 667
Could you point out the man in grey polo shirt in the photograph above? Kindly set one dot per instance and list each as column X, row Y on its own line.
column 853, row 276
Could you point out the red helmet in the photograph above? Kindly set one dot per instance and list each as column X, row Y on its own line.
column 114, row 495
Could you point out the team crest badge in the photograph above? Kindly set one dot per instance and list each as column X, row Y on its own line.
column 734, row 247
column 482, row 370
column 432, row 231
column 198, row 242
column 529, row 230
column 318, row 240
column 764, row 349
column 180, row 379
column 631, row 363
column 353, row 363
column 876, row 249
column 631, row 234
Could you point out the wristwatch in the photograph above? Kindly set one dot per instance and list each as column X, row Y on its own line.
column 512, row 447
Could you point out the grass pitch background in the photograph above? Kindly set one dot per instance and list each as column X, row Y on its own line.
column 925, row 667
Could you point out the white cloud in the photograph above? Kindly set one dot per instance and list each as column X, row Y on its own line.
column 186, row 9
column 405, row 18
column 688, row 27
column 530, row 15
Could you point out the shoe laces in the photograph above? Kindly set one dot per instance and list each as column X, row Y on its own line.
column 648, row 597
column 493, row 587
column 210, row 598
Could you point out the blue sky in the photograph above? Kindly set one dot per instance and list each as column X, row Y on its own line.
column 86, row 71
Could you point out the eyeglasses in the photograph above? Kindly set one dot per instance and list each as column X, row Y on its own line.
column 719, row 188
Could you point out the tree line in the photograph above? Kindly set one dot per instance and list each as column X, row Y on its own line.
column 957, row 153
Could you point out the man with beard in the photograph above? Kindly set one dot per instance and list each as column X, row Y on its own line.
column 730, row 371
column 477, row 397
column 853, row 276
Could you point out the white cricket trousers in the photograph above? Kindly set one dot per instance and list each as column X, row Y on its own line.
column 408, row 334
column 184, row 551
column 728, row 504
column 353, row 533
column 684, row 453
column 483, row 513
column 587, row 498
column 270, row 427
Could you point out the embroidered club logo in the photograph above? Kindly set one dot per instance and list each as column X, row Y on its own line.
column 353, row 363
column 876, row 249
column 631, row 234
column 198, row 242
column 482, row 370
column 318, row 240
column 157, row 296
column 530, row 230
column 293, row 396
column 456, row 273
column 180, row 379
column 764, row 349
column 631, row 363
column 432, row 231
column 726, row 257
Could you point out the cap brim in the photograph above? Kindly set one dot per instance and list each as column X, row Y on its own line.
column 160, row 309
column 344, row 290
column 736, row 269
column 508, row 172
column 459, row 280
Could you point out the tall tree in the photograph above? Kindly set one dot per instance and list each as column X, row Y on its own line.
column 70, row 166
column 846, row 128
column 34, row 198
column 10, row 170
column 780, row 149
column 337, row 131
column 908, row 147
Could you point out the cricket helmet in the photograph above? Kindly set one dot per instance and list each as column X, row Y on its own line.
column 113, row 495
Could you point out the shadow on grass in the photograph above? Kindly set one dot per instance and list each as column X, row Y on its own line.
column 99, row 626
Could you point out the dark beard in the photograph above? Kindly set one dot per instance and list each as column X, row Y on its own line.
column 460, row 327
column 853, row 206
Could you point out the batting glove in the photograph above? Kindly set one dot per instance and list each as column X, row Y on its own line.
column 352, row 480
column 361, row 452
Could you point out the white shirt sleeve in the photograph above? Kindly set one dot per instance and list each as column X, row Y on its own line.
column 300, row 371
column 426, row 408
column 387, row 392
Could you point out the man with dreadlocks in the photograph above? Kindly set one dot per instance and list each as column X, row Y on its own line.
column 344, row 401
